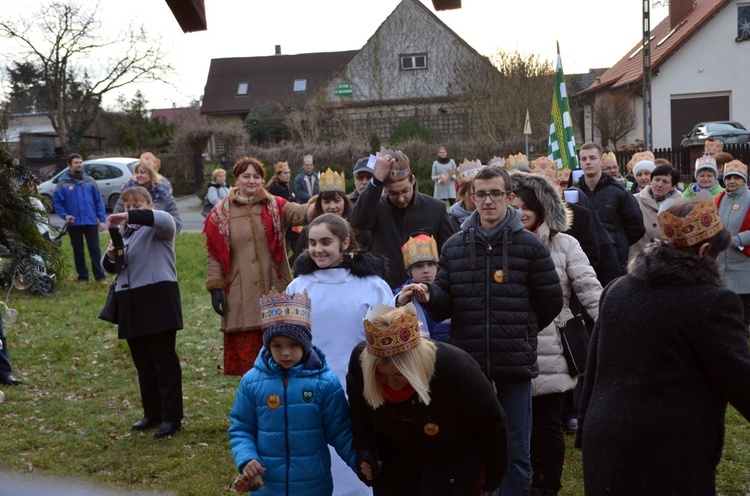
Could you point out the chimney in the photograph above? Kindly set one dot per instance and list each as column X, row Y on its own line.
column 278, row 50
column 678, row 9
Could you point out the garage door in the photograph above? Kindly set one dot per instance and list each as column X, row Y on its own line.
column 687, row 112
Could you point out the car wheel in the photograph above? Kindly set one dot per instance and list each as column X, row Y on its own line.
column 113, row 201
column 48, row 204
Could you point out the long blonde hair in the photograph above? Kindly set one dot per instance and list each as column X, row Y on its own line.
column 416, row 365
column 155, row 176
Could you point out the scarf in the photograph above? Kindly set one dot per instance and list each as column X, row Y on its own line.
column 393, row 396
column 659, row 199
column 443, row 160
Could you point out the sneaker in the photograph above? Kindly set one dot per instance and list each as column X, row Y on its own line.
column 571, row 426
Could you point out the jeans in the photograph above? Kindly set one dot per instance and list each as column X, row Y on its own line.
column 91, row 233
column 515, row 398
column 5, row 369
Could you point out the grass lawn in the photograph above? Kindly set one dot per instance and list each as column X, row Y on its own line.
column 72, row 416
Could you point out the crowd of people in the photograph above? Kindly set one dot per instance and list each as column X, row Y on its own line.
column 398, row 343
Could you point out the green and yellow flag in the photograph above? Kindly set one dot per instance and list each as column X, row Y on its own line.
column 561, row 146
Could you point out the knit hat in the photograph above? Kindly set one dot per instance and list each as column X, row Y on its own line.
column 643, row 165
column 706, row 162
column 401, row 336
column 286, row 315
column 736, row 168
column 637, row 157
column 700, row 224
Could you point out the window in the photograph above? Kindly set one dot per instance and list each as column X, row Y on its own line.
column 300, row 85
column 100, row 172
column 743, row 22
column 242, row 89
column 414, row 61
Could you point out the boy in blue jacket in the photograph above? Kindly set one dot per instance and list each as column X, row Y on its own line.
column 289, row 407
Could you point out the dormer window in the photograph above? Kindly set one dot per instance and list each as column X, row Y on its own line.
column 300, row 85
column 413, row 61
column 242, row 89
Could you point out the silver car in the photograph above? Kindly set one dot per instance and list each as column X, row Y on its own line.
column 109, row 173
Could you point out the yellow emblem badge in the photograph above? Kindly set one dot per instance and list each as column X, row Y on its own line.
column 735, row 207
column 499, row 276
column 273, row 401
column 431, row 429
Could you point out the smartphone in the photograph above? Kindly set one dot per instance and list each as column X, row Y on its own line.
column 114, row 234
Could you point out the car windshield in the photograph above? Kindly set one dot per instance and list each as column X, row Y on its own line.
column 723, row 127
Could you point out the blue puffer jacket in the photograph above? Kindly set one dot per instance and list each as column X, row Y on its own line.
column 286, row 419
column 79, row 198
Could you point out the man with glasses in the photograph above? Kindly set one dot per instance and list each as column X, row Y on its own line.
column 401, row 212
column 498, row 284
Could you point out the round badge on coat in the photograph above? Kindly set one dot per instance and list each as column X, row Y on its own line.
column 735, row 207
column 273, row 401
column 431, row 429
column 499, row 276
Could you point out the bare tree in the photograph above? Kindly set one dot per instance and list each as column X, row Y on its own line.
column 614, row 117
column 80, row 62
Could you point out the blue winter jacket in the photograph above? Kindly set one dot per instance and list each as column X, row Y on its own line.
column 79, row 198
column 286, row 419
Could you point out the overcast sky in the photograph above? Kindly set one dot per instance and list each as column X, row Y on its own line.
column 592, row 33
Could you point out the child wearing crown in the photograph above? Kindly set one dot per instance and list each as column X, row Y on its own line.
column 289, row 407
column 420, row 260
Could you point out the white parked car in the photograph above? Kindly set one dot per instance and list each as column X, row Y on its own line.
column 109, row 173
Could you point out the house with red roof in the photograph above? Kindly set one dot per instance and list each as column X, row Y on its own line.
column 700, row 60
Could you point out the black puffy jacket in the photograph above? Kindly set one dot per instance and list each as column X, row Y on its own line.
column 499, row 292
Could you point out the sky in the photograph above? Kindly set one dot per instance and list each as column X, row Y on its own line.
column 591, row 33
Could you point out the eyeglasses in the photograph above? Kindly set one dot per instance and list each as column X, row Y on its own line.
column 495, row 194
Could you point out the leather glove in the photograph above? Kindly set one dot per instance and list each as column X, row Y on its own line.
column 218, row 301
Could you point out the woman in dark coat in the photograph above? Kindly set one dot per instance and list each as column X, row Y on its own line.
column 424, row 410
column 658, row 380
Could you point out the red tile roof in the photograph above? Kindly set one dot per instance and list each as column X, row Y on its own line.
column 628, row 71
column 270, row 79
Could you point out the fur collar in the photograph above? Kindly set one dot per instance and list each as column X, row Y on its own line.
column 664, row 265
column 556, row 215
column 360, row 264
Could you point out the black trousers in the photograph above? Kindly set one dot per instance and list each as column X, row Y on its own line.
column 547, row 443
column 159, row 375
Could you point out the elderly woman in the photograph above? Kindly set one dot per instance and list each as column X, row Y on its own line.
column 146, row 176
column 663, row 186
column 642, row 174
column 706, row 178
column 424, row 411
column 246, row 258
column 658, row 379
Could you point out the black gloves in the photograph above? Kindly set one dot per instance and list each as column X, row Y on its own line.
column 218, row 301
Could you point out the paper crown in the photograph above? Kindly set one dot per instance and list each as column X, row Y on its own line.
column 563, row 175
column 737, row 168
column 400, row 169
column 467, row 170
column 401, row 336
column 517, row 162
column 280, row 308
column 496, row 162
column 713, row 145
column 639, row 157
column 331, row 181
column 307, row 158
column 700, row 224
column 546, row 168
column 420, row 248
column 705, row 161
column 280, row 166
column 609, row 158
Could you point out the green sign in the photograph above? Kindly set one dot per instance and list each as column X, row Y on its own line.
column 343, row 89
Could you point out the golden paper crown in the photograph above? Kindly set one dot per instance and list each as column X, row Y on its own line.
column 331, row 181
column 713, row 145
column 700, row 224
column 280, row 308
column 280, row 166
column 546, row 168
column 400, row 169
column 563, row 175
column 735, row 167
column 467, row 170
column 609, row 158
column 705, row 161
column 420, row 248
column 638, row 157
column 401, row 336
column 517, row 161
column 496, row 162
column 307, row 158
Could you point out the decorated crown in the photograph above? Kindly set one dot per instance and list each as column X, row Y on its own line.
column 400, row 169
column 735, row 167
column 609, row 158
column 713, row 145
column 467, row 170
column 546, row 168
column 705, row 161
column 280, row 166
column 331, row 181
column 639, row 157
column 518, row 161
column 700, row 224
column 401, row 336
column 280, row 308
column 496, row 162
column 420, row 248
column 563, row 175
column 307, row 158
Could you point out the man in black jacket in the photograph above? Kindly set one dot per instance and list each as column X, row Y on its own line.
column 498, row 283
column 402, row 211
